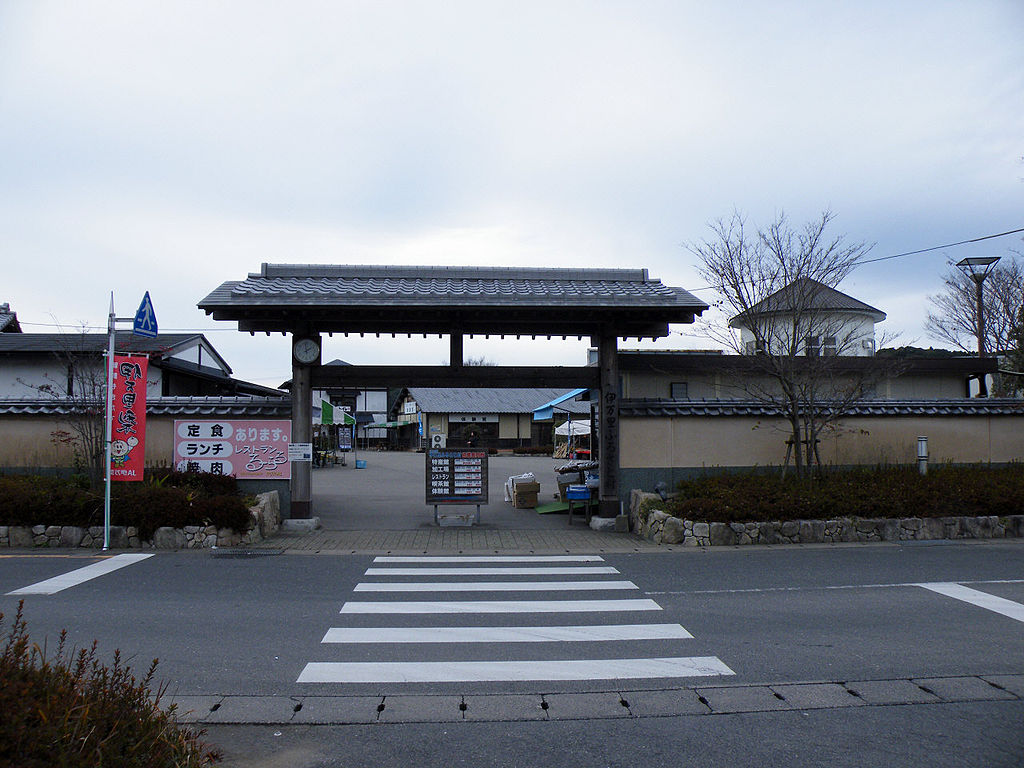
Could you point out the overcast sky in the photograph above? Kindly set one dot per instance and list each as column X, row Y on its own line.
column 170, row 146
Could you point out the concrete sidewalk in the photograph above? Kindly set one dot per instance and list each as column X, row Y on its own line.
column 481, row 540
column 381, row 509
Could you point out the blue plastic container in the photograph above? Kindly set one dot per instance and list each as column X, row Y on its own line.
column 360, row 464
column 577, row 493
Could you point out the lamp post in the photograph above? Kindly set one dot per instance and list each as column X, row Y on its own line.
column 978, row 268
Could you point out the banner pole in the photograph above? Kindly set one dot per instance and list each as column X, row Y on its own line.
column 109, row 422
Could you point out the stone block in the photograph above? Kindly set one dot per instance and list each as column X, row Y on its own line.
column 672, row 531
column 253, row 709
column 508, row 708
column 701, row 530
column 890, row 530
column 38, row 530
column 963, row 689
column 790, row 528
column 585, row 706
column 817, row 696
column 664, row 703
column 890, row 692
column 1013, row 683
column 770, row 533
column 602, row 523
column 338, row 710
column 421, row 709
column 118, row 537
column 811, row 531
column 748, row 698
column 168, row 538
column 71, row 536
column 722, row 535
column 21, row 537
column 932, row 528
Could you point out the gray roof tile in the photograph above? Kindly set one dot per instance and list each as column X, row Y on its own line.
column 469, row 400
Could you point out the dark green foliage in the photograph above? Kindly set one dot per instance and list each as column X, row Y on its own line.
column 30, row 499
column 173, row 499
column 885, row 492
column 72, row 710
column 204, row 482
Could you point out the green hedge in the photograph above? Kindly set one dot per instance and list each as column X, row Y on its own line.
column 866, row 493
column 174, row 499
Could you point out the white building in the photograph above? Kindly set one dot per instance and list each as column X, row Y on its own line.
column 808, row 318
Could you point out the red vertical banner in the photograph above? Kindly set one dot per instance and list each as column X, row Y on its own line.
column 128, row 430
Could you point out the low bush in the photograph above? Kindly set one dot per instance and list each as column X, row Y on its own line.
column 864, row 493
column 174, row 499
column 72, row 710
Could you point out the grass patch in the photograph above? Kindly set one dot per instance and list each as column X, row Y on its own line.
column 865, row 493
column 71, row 710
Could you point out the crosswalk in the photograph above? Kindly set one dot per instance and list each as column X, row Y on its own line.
column 498, row 640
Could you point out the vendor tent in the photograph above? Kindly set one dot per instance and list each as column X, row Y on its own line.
column 573, row 428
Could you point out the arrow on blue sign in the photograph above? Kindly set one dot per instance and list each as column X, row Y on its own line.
column 145, row 319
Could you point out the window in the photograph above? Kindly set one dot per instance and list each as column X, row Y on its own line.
column 678, row 390
column 754, row 348
column 812, row 346
column 829, row 346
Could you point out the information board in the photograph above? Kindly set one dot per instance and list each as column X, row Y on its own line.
column 456, row 476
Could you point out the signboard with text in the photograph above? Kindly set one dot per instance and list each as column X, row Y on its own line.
column 247, row 449
column 128, row 418
column 456, row 476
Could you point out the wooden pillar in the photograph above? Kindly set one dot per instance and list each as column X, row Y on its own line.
column 456, row 358
column 302, row 432
column 608, row 415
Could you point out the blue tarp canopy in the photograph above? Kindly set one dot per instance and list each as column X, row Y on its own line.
column 547, row 411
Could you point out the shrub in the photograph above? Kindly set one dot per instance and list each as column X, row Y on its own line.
column 864, row 493
column 174, row 499
column 74, row 711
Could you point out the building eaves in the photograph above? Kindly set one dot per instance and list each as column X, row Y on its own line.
column 163, row 406
column 92, row 343
column 966, row 407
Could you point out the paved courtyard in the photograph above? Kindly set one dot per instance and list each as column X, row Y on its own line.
column 382, row 509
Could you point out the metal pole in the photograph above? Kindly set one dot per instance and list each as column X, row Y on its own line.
column 111, row 324
column 982, row 384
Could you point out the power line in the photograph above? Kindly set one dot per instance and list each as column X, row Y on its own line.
column 938, row 247
column 908, row 253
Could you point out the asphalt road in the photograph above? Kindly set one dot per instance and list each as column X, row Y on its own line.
column 831, row 655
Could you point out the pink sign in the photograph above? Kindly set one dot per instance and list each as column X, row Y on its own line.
column 128, row 426
column 249, row 450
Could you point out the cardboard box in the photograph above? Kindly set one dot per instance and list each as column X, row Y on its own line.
column 526, row 486
column 525, row 501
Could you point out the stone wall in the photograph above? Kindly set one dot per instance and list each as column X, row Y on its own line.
column 662, row 528
column 266, row 519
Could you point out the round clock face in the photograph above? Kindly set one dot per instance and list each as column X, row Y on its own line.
column 306, row 350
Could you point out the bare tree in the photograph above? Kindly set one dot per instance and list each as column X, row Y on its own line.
column 80, row 397
column 954, row 314
column 809, row 350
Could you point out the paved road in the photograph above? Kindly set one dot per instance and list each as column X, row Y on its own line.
column 844, row 655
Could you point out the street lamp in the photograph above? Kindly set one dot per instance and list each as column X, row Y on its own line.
column 978, row 268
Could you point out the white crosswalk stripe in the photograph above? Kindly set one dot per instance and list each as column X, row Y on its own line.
column 494, row 660
column 490, row 586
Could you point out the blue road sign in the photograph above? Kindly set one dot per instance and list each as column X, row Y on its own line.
column 145, row 319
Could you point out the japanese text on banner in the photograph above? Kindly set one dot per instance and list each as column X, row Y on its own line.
column 128, row 415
